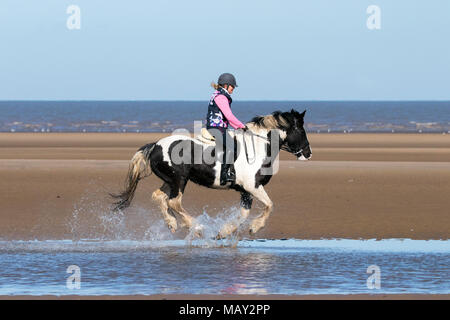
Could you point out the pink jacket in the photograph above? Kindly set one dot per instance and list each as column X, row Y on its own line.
column 224, row 106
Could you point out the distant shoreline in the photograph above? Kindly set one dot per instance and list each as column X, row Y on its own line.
column 166, row 116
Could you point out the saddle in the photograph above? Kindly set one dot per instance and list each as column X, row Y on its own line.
column 206, row 137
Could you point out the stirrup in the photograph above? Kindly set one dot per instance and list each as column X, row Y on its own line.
column 228, row 176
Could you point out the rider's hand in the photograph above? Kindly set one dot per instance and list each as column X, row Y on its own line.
column 245, row 128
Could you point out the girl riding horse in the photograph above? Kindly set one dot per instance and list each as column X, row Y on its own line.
column 271, row 133
column 218, row 118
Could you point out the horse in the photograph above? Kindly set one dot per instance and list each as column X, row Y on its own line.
column 266, row 135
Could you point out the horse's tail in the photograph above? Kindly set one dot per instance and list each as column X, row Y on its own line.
column 139, row 169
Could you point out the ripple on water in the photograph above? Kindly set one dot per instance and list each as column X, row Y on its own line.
column 260, row 266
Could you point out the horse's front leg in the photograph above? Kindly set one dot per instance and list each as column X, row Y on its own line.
column 259, row 222
column 232, row 226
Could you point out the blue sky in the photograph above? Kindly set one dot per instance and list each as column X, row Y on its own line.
column 172, row 50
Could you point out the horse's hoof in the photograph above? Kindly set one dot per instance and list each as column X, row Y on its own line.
column 219, row 237
column 256, row 226
column 198, row 234
column 172, row 227
column 198, row 231
column 254, row 230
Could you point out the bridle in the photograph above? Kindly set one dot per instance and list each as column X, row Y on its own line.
column 284, row 147
column 298, row 153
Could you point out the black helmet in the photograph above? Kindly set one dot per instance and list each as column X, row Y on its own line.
column 227, row 78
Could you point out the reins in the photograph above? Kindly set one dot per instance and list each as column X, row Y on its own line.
column 252, row 134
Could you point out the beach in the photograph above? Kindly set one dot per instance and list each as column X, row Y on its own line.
column 55, row 186
column 357, row 186
column 358, row 209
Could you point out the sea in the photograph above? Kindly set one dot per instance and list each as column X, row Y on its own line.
column 166, row 116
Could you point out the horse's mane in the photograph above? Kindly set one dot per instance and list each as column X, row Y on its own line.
column 275, row 120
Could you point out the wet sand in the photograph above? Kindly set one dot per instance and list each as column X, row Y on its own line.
column 327, row 147
column 357, row 185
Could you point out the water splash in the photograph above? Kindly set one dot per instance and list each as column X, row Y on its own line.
column 92, row 218
column 206, row 229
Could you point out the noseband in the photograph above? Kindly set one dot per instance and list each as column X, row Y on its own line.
column 298, row 153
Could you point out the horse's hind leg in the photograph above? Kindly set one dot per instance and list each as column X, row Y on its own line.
column 175, row 202
column 175, row 205
column 161, row 196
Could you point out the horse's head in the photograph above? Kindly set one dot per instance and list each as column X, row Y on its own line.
column 293, row 138
column 296, row 141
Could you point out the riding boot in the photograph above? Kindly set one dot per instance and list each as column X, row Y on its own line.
column 227, row 173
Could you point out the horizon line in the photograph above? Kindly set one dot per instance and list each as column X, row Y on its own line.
column 244, row 100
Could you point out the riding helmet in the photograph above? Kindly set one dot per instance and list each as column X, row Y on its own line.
column 227, row 78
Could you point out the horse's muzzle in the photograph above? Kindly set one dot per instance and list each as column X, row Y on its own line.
column 304, row 154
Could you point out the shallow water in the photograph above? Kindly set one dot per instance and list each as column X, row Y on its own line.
column 126, row 267
column 115, row 257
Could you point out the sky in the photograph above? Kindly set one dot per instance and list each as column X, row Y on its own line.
column 172, row 50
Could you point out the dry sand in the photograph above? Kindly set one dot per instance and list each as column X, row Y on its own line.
column 357, row 185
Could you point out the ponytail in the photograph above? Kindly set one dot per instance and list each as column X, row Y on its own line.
column 215, row 85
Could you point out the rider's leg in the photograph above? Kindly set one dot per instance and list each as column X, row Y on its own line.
column 224, row 150
column 227, row 170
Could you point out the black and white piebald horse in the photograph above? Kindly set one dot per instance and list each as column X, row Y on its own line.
column 265, row 137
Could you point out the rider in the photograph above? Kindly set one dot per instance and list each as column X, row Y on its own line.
column 219, row 117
